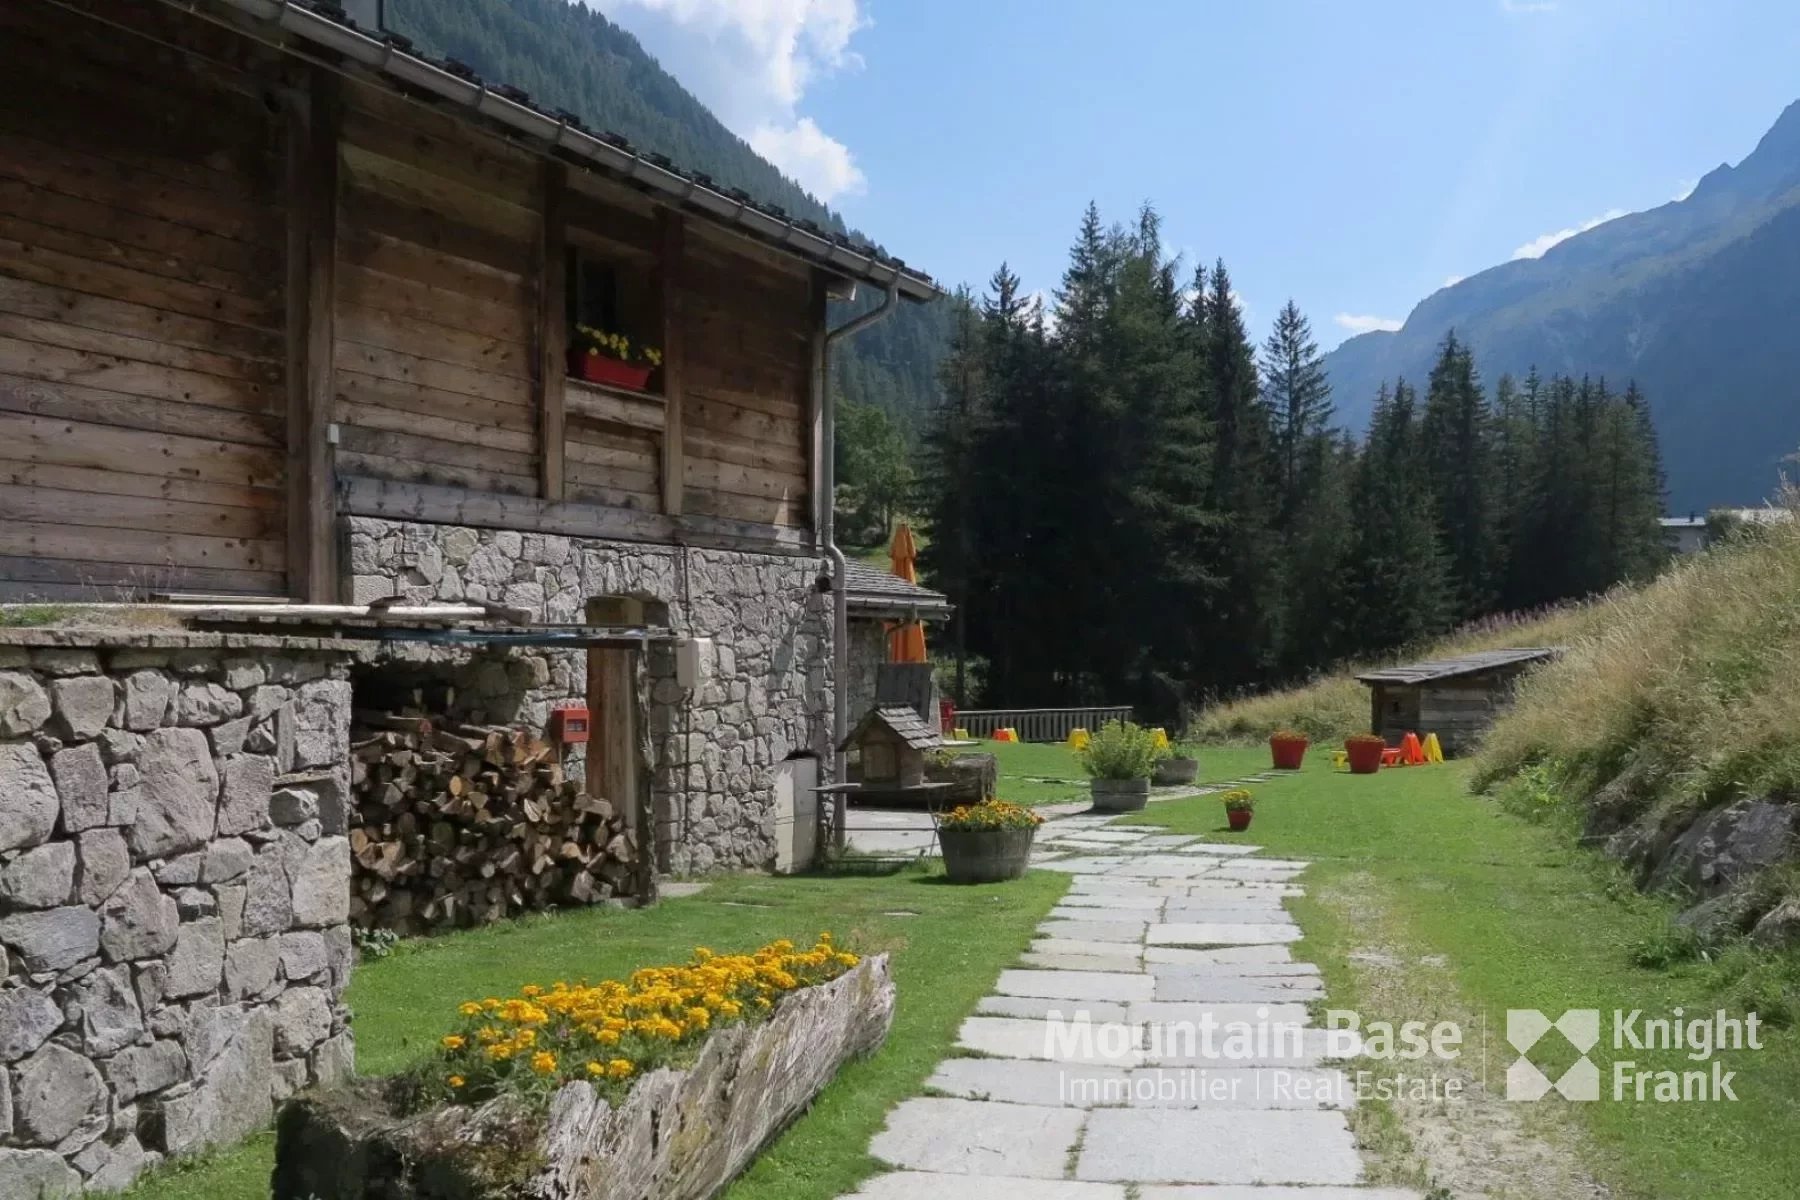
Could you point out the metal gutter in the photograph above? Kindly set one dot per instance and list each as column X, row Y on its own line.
column 560, row 135
column 827, row 526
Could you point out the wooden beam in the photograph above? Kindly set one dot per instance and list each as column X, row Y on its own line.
column 312, row 166
column 673, row 250
column 616, row 406
column 553, row 332
column 817, row 316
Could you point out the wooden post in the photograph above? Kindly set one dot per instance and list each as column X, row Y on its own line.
column 674, row 350
column 312, row 168
column 553, row 333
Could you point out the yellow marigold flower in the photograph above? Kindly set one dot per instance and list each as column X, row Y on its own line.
column 699, row 1018
column 452, row 1042
column 457, row 1081
column 619, row 1068
column 607, row 1037
column 470, row 1008
column 543, row 1062
column 531, row 989
column 594, row 1068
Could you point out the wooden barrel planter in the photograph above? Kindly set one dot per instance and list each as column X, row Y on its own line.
column 1119, row 795
column 1174, row 772
column 986, row 855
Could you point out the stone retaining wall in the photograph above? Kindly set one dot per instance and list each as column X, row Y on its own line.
column 174, row 891
column 764, row 693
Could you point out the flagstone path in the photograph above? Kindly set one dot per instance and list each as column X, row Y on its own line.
column 1161, row 940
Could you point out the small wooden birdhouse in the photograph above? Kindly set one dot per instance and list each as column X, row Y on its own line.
column 893, row 741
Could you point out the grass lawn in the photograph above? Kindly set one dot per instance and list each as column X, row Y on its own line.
column 1050, row 773
column 1524, row 920
column 948, row 944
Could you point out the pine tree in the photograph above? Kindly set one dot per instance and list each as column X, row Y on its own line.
column 1298, row 397
column 1397, row 585
column 952, row 483
column 1455, row 440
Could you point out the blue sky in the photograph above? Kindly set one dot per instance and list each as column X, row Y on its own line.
column 1354, row 156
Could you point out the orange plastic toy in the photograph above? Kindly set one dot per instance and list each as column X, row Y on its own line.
column 1412, row 754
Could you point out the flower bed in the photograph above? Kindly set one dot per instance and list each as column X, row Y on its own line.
column 694, row 1102
column 611, row 1032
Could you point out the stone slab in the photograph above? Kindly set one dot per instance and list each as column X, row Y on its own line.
column 1214, row 886
column 1165, row 841
column 1312, row 1047
column 1261, row 990
column 1140, row 1145
column 1083, row 866
column 1057, row 960
column 1086, row 902
column 1165, row 866
column 972, row 1137
column 1039, row 1007
column 1222, row 954
column 1166, row 1011
column 1121, row 930
column 1020, row 1081
column 920, row 1185
column 1233, row 970
column 1276, row 1193
column 1297, row 1088
column 1202, row 912
column 1222, row 849
column 1220, row 933
column 1119, row 836
column 1009, row 1037
column 1077, row 985
column 1249, row 875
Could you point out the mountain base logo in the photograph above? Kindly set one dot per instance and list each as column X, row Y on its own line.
column 1699, row 1039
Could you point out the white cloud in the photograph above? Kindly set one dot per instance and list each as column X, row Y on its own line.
column 1685, row 188
column 1536, row 246
column 1453, row 280
column 1366, row 324
column 822, row 164
column 751, row 62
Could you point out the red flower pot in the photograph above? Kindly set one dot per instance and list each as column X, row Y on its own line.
column 1365, row 757
column 597, row 368
column 1287, row 752
column 1239, row 821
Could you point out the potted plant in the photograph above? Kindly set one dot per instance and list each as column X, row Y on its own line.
column 1120, row 758
column 1364, row 750
column 1240, row 806
column 600, row 356
column 987, row 842
column 1287, row 747
column 1175, row 770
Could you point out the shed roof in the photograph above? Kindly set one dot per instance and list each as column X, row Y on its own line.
column 394, row 57
column 875, row 592
column 905, row 723
column 1467, row 664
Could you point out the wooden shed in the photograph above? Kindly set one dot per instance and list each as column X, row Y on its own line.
column 1455, row 698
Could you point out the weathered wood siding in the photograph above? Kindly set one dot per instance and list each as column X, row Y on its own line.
column 746, row 327
column 142, row 322
column 436, row 300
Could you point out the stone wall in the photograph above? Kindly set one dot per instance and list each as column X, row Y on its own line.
column 174, row 886
column 764, row 691
column 867, row 651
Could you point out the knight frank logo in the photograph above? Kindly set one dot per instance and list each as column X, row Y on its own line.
column 1526, row 1027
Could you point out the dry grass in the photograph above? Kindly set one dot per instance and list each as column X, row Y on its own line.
column 1336, row 706
column 1688, row 684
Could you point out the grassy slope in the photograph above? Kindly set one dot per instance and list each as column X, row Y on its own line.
column 1691, row 684
column 945, row 957
column 1526, row 921
column 1336, row 706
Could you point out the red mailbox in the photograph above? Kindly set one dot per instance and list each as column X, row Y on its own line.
column 569, row 724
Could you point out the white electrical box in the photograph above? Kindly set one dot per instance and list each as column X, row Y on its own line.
column 692, row 655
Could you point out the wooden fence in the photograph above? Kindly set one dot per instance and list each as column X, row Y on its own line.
column 1039, row 724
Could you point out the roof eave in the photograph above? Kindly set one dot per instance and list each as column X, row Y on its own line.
column 559, row 136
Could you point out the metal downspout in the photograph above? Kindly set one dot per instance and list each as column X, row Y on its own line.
column 827, row 526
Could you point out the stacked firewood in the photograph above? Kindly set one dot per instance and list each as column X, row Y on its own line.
column 460, row 824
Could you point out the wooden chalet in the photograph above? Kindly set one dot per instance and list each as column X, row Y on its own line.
column 1455, row 698
column 263, row 271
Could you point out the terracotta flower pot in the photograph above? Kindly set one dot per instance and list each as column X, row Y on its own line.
column 1239, row 821
column 1365, row 757
column 986, row 855
column 598, row 368
column 1287, row 753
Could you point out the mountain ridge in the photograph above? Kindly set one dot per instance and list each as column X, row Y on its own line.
column 1615, row 300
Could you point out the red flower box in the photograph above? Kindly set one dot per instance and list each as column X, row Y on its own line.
column 598, row 368
column 1365, row 754
column 1287, row 752
column 1238, row 821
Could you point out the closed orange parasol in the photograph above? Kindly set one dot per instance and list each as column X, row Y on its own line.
column 906, row 640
